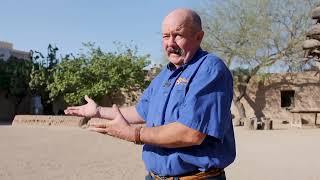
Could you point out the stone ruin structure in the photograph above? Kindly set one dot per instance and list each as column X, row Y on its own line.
column 312, row 44
column 277, row 94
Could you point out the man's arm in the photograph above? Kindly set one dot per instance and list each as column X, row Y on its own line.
column 129, row 113
column 173, row 135
column 91, row 109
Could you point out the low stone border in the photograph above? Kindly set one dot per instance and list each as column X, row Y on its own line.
column 43, row 120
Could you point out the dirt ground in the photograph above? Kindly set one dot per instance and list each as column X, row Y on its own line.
column 73, row 153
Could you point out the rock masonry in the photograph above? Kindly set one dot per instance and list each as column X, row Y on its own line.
column 312, row 44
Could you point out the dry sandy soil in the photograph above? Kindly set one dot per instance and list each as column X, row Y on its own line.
column 73, row 153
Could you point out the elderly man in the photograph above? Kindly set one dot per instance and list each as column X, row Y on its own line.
column 186, row 108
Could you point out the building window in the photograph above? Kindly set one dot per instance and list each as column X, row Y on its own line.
column 287, row 98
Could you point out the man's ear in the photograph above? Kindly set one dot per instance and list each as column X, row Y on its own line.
column 199, row 36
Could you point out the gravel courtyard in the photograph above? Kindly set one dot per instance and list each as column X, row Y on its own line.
column 73, row 153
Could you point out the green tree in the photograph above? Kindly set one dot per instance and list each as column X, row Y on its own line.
column 97, row 73
column 253, row 35
column 14, row 78
column 42, row 75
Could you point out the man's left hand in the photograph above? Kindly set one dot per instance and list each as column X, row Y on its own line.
column 118, row 127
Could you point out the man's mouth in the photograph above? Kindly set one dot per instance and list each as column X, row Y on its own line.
column 176, row 51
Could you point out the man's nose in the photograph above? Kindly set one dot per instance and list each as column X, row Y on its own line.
column 172, row 41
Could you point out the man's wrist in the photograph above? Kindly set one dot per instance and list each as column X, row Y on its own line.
column 137, row 135
column 98, row 114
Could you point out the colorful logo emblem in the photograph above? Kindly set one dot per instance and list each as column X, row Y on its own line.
column 182, row 81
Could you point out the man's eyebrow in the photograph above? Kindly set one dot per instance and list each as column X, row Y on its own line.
column 179, row 27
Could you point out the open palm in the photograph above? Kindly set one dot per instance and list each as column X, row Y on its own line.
column 87, row 110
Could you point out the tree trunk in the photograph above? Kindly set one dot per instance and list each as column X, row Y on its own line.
column 241, row 87
column 240, row 108
column 239, row 121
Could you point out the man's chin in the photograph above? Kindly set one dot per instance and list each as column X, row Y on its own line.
column 175, row 58
column 176, row 62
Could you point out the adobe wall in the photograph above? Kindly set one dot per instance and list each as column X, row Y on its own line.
column 6, row 107
column 264, row 97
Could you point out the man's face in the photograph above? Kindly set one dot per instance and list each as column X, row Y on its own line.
column 179, row 40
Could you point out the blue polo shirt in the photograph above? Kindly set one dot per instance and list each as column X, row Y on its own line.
column 198, row 95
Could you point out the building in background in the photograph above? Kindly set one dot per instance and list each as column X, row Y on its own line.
column 7, row 51
column 278, row 94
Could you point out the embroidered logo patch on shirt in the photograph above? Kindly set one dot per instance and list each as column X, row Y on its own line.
column 182, row 81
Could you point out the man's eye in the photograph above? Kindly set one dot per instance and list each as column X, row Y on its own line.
column 165, row 37
column 178, row 37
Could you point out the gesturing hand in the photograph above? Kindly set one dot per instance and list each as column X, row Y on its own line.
column 87, row 110
column 118, row 127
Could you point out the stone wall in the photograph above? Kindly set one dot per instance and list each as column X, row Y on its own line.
column 264, row 96
column 8, row 107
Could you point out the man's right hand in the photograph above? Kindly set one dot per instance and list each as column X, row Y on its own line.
column 88, row 110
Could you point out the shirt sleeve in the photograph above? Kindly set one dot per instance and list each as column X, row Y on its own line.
column 142, row 106
column 206, row 107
